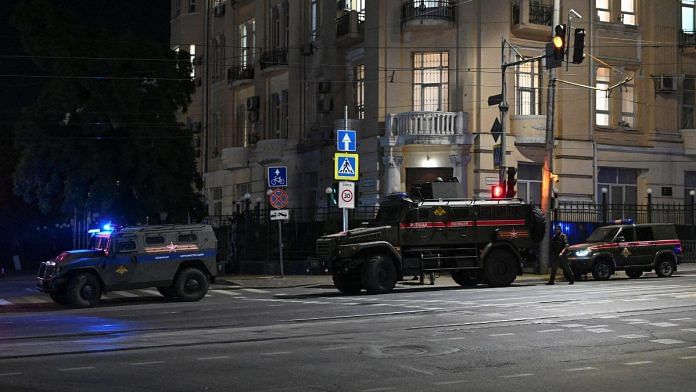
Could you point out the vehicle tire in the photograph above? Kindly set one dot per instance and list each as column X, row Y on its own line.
column 664, row 267
column 602, row 270
column 634, row 274
column 83, row 290
column 465, row 278
column 538, row 225
column 60, row 298
column 167, row 291
column 500, row 269
column 348, row 284
column 378, row 275
column 191, row 284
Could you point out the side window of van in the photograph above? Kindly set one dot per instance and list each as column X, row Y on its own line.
column 190, row 237
column 125, row 246
column 154, row 239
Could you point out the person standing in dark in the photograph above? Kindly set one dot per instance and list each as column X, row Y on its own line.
column 558, row 243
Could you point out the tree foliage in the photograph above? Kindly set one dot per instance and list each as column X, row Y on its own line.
column 103, row 134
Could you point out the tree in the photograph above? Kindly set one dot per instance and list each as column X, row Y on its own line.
column 103, row 135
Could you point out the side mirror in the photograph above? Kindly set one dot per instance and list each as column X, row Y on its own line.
column 620, row 239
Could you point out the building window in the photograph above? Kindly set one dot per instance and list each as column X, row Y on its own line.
column 430, row 82
column 359, row 93
column 689, row 185
column 603, row 11
column 602, row 97
column 192, row 53
column 247, row 42
column 279, row 115
column 529, row 182
column 242, row 131
column 216, row 198
column 628, row 102
column 177, row 8
column 527, row 93
column 313, row 20
column 628, row 12
column 621, row 185
column 687, row 108
column 192, row 6
column 687, row 16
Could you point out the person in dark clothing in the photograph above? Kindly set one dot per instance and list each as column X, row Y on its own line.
column 558, row 243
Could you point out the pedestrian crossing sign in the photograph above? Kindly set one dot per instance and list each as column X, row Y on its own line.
column 346, row 166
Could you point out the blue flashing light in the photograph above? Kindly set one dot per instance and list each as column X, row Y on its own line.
column 626, row 221
column 107, row 227
column 93, row 231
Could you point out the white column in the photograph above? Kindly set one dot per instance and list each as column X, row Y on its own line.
column 392, row 165
column 459, row 164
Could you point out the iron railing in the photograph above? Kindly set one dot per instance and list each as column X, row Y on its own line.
column 273, row 58
column 539, row 13
column 351, row 22
column 240, row 72
column 427, row 9
column 687, row 39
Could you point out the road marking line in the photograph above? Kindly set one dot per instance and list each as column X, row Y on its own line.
column 689, row 357
column 518, row 375
column 549, row 330
column 277, row 353
column 638, row 363
column 573, row 325
column 76, row 369
column 633, row 336
column 664, row 325
column 151, row 292
column 450, row 382
column 146, row 363
column 582, row 369
column 667, row 341
column 10, row 374
column 501, row 334
column 212, row 358
column 335, row 348
column 681, row 319
column 256, row 291
column 417, row 370
column 689, row 329
column 225, row 292
column 4, row 302
column 635, row 320
column 599, row 330
column 123, row 294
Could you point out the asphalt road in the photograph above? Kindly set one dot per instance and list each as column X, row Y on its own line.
column 637, row 335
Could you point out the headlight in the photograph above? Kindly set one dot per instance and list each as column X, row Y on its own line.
column 583, row 252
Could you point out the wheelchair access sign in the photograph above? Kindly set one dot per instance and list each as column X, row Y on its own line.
column 346, row 166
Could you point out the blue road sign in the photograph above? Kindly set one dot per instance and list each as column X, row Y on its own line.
column 346, row 166
column 277, row 176
column 346, row 140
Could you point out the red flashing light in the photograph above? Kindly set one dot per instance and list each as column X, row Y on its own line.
column 497, row 192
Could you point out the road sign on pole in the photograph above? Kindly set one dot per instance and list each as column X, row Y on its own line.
column 497, row 156
column 346, row 166
column 278, row 198
column 346, row 140
column 346, row 194
column 277, row 176
column 280, row 215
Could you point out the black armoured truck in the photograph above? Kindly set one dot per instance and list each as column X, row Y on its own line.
column 476, row 241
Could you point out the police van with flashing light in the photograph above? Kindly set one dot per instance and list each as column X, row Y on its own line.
column 179, row 260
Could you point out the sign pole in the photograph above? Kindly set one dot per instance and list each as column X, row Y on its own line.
column 280, row 248
column 345, row 210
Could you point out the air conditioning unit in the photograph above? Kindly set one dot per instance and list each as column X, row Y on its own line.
column 324, row 86
column 325, row 104
column 198, row 60
column 666, row 83
column 252, row 103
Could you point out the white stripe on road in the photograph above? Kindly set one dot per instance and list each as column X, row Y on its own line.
column 638, row 363
column 549, row 330
column 417, row 370
column 146, row 363
column 667, row 341
column 689, row 329
column 335, row 348
column 75, row 369
column 256, row 291
column 599, row 330
column 225, row 292
column 501, row 334
column 450, row 382
column 582, row 369
column 633, row 336
column 681, row 319
column 664, row 325
column 518, row 375
column 10, row 374
column 212, row 358
column 277, row 353
column 689, row 357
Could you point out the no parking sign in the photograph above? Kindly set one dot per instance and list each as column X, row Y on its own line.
column 278, row 199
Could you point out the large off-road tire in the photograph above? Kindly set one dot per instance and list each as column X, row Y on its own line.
column 191, row 284
column 602, row 270
column 167, row 291
column 500, row 268
column 465, row 278
column 60, row 298
column 538, row 225
column 634, row 273
column 347, row 283
column 378, row 275
column 83, row 290
column 664, row 267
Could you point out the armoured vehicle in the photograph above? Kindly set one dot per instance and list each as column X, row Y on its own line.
column 634, row 248
column 180, row 260
column 473, row 240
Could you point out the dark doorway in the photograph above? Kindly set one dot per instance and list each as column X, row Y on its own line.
column 420, row 175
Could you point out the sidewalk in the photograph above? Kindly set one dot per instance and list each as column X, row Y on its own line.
column 290, row 281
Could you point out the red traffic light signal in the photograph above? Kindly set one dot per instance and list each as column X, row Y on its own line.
column 497, row 192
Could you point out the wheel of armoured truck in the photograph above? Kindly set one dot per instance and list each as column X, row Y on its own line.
column 347, row 283
column 60, row 298
column 465, row 278
column 167, row 291
column 500, row 269
column 378, row 275
column 83, row 290
column 191, row 284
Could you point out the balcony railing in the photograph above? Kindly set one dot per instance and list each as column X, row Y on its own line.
column 427, row 124
column 274, row 58
column 351, row 23
column 539, row 13
column 687, row 39
column 423, row 10
column 240, row 72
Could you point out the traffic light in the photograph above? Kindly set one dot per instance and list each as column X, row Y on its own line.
column 559, row 42
column 497, row 192
column 511, row 181
column 579, row 46
column 334, row 193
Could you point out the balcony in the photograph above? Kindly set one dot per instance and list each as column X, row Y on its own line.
column 234, row 158
column 532, row 19
column 428, row 127
column 528, row 130
column 270, row 150
column 350, row 28
column 687, row 42
column 274, row 58
column 427, row 13
column 689, row 137
column 239, row 74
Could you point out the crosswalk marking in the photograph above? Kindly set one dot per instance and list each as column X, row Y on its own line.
column 256, row 291
column 638, row 363
column 667, row 341
column 226, row 292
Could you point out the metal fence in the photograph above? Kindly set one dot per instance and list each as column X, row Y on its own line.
column 679, row 214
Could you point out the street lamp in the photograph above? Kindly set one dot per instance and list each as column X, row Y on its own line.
column 692, row 193
column 247, row 201
column 649, row 192
column 604, row 204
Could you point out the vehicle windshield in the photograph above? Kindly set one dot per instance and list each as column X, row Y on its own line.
column 603, row 234
column 99, row 242
column 388, row 215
